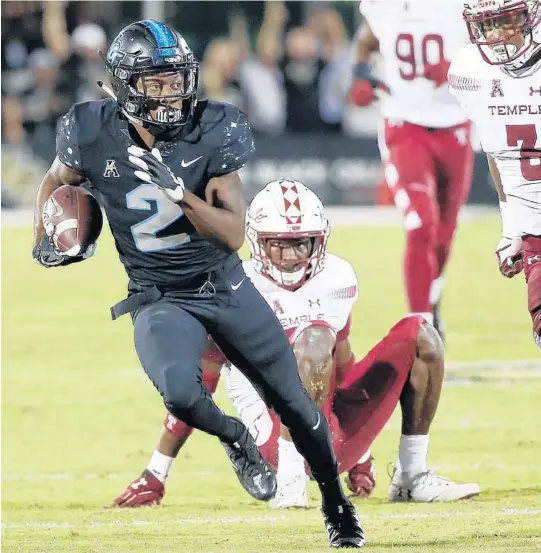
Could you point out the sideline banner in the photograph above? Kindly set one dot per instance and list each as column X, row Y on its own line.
column 341, row 170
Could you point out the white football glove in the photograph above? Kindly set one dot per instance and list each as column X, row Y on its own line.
column 154, row 171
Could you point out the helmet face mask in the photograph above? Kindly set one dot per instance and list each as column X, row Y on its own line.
column 504, row 30
column 287, row 240
column 159, row 96
column 154, row 76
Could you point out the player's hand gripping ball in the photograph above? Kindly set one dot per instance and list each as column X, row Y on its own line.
column 72, row 221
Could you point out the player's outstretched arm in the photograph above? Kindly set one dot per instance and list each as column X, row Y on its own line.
column 221, row 217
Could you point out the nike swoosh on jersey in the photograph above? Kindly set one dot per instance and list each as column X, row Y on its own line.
column 188, row 163
column 237, row 286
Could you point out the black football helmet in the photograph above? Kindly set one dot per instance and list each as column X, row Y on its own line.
column 147, row 48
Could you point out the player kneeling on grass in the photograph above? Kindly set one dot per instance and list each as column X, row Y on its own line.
column 313, row 292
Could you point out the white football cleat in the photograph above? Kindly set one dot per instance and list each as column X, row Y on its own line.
column 291, row 491
column 428, row 487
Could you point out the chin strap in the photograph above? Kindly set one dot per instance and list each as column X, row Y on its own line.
column 110, row 93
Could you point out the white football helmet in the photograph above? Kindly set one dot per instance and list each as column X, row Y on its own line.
column 287, row 210
column 495, row 26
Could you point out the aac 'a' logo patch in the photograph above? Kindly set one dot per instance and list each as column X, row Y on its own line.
column 110, row 169
column 497, row 89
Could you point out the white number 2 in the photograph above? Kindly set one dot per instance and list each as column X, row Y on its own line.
column 167, row 212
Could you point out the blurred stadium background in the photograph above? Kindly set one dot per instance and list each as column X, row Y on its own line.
column 80, row 418
column 287, row 65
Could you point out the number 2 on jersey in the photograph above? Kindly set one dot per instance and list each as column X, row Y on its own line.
column 431, row 54
column 167, row 212
column 525, row 136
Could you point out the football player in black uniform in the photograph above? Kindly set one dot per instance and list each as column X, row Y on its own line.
column 165, row 166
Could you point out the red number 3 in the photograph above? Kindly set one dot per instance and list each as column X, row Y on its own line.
column 431, row 54
column 525, row 136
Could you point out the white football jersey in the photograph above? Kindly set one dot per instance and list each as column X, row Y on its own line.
column 507, row 115
column 328, row 297
column 414, row 35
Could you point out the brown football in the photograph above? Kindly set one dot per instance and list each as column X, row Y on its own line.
column 76, row 216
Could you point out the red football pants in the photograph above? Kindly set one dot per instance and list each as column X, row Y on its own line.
column 429, row 173
column 366, row 399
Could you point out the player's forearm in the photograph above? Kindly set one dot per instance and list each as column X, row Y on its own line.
column 214, row 223
column 344, row 360
column 57, row 175
column 367, row 44
column 48, row 185
column 495, row 174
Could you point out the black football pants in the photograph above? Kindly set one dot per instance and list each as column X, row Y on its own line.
column 171, row 335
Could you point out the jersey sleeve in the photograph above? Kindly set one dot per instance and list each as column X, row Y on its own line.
column 344, row 295
column 68, row 148
column 371, row 12
column 365, row 7
column 78, row 134
column 463, row 76
column 237, row 145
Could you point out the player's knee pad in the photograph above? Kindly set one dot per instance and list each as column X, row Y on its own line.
column 181, row 388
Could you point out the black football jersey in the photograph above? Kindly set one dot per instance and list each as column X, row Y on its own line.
column 156, row 242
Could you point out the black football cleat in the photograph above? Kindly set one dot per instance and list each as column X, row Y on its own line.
column 343, row 526
column 253, row 472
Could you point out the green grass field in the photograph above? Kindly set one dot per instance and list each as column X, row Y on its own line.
column 80, row 418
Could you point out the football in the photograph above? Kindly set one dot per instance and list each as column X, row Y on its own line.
column 76, row 217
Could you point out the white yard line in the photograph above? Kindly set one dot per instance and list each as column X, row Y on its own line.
column 259, row 519
column 128, row 476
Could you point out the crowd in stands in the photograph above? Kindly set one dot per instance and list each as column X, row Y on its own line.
column 287, row 78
